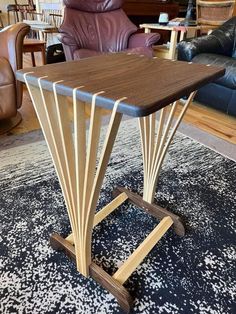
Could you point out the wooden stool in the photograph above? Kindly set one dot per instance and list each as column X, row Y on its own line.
column 35, row 45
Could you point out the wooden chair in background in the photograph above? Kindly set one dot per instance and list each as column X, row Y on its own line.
column 46, row 22
column 19, row 12
column 214, row 13
column 52, row 18
column 32, row 45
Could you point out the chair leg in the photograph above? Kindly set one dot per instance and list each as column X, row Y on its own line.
column 1, row 22
column 33, row 59
column 8, row 18
column 43, row 56
column 45, row 37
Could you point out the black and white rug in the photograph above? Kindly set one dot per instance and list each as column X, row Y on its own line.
column 194, row 274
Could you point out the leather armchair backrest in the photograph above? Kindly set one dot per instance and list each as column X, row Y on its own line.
column 97, row 6
column 11, row 45
column 103, row 31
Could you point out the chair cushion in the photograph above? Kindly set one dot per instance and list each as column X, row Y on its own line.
column 229, row 79
column 7, row 90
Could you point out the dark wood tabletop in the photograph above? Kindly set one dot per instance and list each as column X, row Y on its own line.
column 149, row 84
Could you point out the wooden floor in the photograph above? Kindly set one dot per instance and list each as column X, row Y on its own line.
column 212, row 121
column 209, row 120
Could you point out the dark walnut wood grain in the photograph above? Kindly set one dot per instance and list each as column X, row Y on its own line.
column 153, row 209
column 148, row 83
column 123, row 297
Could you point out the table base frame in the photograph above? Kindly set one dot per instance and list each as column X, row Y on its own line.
column 114, row 284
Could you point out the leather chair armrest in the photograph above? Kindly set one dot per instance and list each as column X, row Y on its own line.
column 11, row 44
column 69, row 45
column 142, row 40
column 11, row 48
column 188, row 49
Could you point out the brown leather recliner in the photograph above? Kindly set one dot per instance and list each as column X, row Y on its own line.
column 11, row 44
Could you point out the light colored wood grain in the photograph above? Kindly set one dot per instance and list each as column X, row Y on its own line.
column 45, row 110
column 154, row 154
column 80, row 145
column 152, row 128
column 100, row 172
column 173, row 43
column 128, row 267
column 104, row 212
column 75, row 162
column 109, row 208
column 90, row 177
column 211, row 120
column 167, row 139
column 67, row 145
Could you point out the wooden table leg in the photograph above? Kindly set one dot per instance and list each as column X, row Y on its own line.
column 33, row 59
column 8, row 18
column 154, row 148
column 43, row 54
column 79, row 175
column 35, row 45
column 81, row 178
column 173, row 44
column 75, row 162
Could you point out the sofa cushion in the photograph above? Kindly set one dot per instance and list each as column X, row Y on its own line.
column 229, row 79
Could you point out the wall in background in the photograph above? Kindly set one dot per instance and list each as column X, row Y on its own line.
column 48, row 4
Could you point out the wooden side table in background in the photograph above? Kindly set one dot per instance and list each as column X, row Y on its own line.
column 178, row 33
column 35, row 45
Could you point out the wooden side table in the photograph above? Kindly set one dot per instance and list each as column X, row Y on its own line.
column 35, row 45
column 163, row 51
column 125, row 84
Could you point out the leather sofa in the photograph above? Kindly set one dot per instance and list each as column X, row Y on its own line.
column 11, row 43
column 93, row 27
column 219, row 49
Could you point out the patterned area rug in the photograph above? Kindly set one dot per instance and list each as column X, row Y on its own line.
column 194, row 274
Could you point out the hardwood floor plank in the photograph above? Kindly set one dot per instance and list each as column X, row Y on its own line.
column 212, row 121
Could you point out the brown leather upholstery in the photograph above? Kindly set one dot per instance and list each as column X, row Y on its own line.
column 11, row 43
